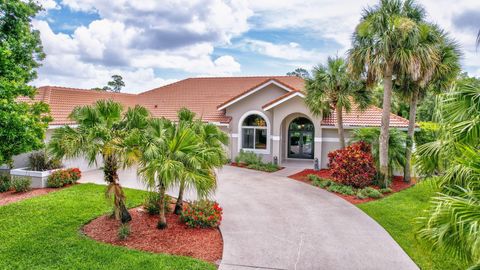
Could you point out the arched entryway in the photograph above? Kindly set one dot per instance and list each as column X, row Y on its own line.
column 301, row 134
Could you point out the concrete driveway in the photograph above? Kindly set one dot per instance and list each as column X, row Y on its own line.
column 273, row 222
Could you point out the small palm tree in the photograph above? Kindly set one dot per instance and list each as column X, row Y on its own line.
column 385, row 44
column 396, row 146
column 100, row 133
column 331, row 87
column 211, row 155
column 170, row 153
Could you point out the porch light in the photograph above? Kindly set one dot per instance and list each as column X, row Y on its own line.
column 316, row 167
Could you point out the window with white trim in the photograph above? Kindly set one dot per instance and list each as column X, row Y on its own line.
column 254, row 133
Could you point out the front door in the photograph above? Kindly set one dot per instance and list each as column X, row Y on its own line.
column 301, row 139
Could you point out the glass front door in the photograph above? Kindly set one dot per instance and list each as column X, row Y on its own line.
column 301, row 139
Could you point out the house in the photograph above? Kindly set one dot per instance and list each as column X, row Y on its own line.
column 265, row 114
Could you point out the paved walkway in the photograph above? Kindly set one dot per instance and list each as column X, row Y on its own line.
column 272, row 222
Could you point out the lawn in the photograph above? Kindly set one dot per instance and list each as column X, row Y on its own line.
column 44, row 233
column 397, row 214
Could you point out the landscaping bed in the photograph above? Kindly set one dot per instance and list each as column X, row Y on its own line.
column 178, row 239
column 262, row 168
column 12, row 196
column 397, row 185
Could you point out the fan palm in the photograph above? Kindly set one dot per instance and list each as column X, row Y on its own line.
column 212, row 155
column 437, row 74
column 170, row 152
column 100, row 133
column 396, row 146
column 385, row 45
column 330, row 88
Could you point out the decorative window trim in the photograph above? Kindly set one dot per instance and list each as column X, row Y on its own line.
column 240, row 133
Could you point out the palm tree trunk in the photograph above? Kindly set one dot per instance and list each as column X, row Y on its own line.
column 110, row 168
column 410, row 134
column 179, row 203
column 162, row 221
column 341, row 131
column 384, row 131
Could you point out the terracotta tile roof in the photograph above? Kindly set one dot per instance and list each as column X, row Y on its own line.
column 281, row 97
column 201, row 95
column 371, row 117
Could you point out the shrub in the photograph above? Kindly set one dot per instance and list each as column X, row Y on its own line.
column 60, row 178
column 369, row 192
column 202, row 214
column 151, row 204
column 123, row 231
column 5, row 183
column 248, row 158
column 342, row 189
column 21, row 184
column 385, row 190
column 428, row 133
column 353, row 165
column 318, row 181
column 41, row 161
column 265, row 167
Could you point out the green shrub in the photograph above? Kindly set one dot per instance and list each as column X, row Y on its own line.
column 265, row 167
column 385, row 190
column 60, row 178
column 151, row 204
column 361, row 195
column 202, row 214
column 428, row 132
column 123, row 231
column 21, row 183
column 318, row 181
column 342, row 189
column 369, row 192
column 248, row 158
column 41, row 161
column 5, row 183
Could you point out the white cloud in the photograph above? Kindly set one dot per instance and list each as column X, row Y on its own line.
column 291, row 51
column 48, row 4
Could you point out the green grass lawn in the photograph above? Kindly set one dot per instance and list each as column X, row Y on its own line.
column 397, row 214
column 44, row 233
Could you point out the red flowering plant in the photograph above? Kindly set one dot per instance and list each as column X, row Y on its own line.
column 202, row 214
column 60, row 178
column 353, row 165
column 75, row 174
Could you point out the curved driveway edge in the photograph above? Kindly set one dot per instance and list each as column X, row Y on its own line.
column 273, row 222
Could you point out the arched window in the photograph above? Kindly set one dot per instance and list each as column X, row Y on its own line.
column 254, row 133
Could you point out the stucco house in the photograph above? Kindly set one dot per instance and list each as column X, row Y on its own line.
column 265, row 114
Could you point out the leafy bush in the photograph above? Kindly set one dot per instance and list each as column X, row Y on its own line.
column 265, row 167
column 60, row 178
column 428, row 133
column 248, row 158
column 385, row 190
column 151, row 203
column 5, row 183
column 21, row 183
column 41, row 161
column 342, row 189
column 202, row 214
column 353, row 165
column 123, row 231
column 368, row 192
column 318, row 181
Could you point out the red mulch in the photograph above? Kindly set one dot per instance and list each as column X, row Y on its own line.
column 11, row 196
column 243, row 165
column 397, row 184
column 177, row 239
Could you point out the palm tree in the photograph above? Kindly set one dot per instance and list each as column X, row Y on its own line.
column 396, row 146
column 212, row 155
column 170, row 152
column 436, row 75
column 384, row 45
column 100, row 133
column 452, row 221
column 330, row 88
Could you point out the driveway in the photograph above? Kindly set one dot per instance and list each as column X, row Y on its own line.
column 273, row 222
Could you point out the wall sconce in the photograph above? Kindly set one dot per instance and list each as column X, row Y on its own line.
column 316, row 167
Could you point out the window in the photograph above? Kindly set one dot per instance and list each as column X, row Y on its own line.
column 254, row 133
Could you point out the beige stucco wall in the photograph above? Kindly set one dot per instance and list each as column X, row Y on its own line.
column 330, row 142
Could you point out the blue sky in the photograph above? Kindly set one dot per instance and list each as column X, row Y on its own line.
column 152, row 43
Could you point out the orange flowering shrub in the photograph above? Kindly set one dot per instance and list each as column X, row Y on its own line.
column 202, row 214
column 60, row 178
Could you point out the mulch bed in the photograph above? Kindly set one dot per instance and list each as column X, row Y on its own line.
column 11, row 196
column 397, row 184
column 243, row 165
column 177, row 239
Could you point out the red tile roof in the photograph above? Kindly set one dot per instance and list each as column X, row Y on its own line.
column 280, row 98
column 201, row 95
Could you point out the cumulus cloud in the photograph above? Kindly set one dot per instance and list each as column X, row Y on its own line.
column 48, row 4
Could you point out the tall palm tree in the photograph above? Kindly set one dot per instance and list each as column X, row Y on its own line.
column 384, row 45
column 452, row 221
column 168, row 153
column 437, row 74
column 211, row 155
column 100, row 132
column 331, row 87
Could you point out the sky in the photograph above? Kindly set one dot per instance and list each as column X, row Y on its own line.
column 152, row 43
